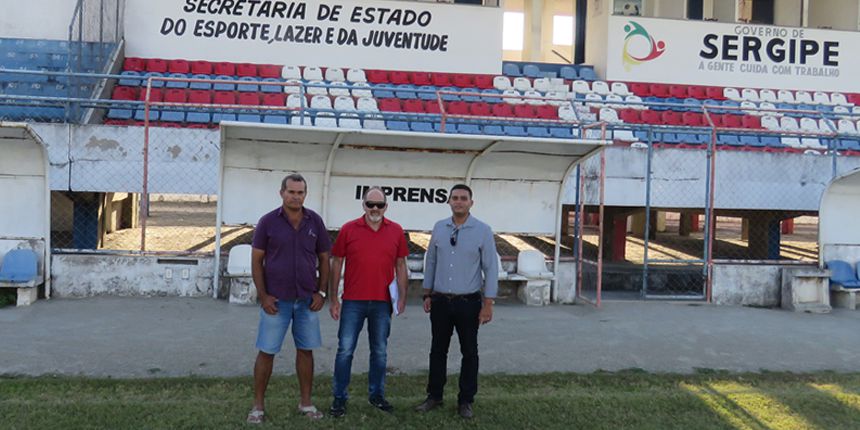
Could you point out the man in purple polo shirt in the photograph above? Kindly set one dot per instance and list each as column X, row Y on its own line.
column 289, row 244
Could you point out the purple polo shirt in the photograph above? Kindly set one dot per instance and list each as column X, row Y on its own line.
column 291, row 254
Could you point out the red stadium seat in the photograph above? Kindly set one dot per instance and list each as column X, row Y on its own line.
column 178, row 66
column 457, row 108
column 269, row 71
column 390, row 105
column 484, row 82
column 714, row 93
column 697, row 92
column 377, row 76
column 432, row 106
column 246, row 69
column 671, row 117
column 651, row 117
column 503, row 110
column 630, row 116
column 156, row 65
column 524, row 111
column 854, row 98
column 224, row 68
column 398, row 77
column 732, row 121
column 134, row 64
column 659, row 90
column 546, row 111
column 413, row 106
column 200, row 67
column 224, row 98
column 441, row 79
column 200, row 97
column 462, row 80
column 640, row 89
column 275, row 99
column 679, row 91
column 693, row 119
column 175, row 96
column 155, row 95
column 249, row 99
column 480, row 109
column 751, row 121
column 421, row 78
column 124, row 93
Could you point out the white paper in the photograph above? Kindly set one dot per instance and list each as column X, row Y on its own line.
column 395, row 295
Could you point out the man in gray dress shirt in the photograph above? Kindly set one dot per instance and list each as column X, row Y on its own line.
column 460, row 263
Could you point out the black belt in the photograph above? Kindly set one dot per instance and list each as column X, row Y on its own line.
column 470, row 296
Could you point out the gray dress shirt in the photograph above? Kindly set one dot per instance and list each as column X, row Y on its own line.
column 466, row 267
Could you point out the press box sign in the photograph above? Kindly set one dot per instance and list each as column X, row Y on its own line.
column 731, row 55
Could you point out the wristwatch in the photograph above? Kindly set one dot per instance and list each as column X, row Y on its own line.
column 321, row 293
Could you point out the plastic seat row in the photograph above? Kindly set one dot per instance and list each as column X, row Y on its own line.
column 673, row 118
column 540, row 71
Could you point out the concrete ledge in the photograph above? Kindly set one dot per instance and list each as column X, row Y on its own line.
column 535, row 292
column 843, row 297
column 242, row 290
column 804, row 289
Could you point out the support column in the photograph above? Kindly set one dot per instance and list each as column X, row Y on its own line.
column 764, row 238
column 638, row 225
column 788, row 226
column 86, row 228
column 533, row 30
column 615, row 235
column 685, row 224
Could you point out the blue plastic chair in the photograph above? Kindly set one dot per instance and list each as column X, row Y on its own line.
column 397, row 125
column 154, row 115
column 421, row 126
column 225, row 86
column 511, row 69
column 248, row 84
column 568, row 72
column 218, row 117
column 728, row 139
column 428, row 92
column 19, row 266
column 469, row 97
column 531, row 71
column 450, row 97
column 587, row 73
column 493, row 129
column 405, row 91
column 841, row 273
column 271, row 88
column 561, row 132
column 536, row 131
column 383, row 91
column 198, row 117
column 120, row 114
column 249, row 117
column 771, row 142
column 470, row 129
column 276, row 119
column 488, row 96
column 155, row 83
column 200, row 85
column 515, row 131
column 176, row 84
column 450, row 127
column 127, row 79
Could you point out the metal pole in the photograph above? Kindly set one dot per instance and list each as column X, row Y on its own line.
column 144, row 192
column 710, row 219
column 647, row 210
column 600, row 221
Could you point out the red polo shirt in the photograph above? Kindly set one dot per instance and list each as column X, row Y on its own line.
column 370, row 257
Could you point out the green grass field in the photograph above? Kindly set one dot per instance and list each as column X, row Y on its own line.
column 632, row 400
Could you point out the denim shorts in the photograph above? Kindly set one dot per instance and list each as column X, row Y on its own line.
column 273, row 328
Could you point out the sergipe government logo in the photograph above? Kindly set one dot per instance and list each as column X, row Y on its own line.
column 635, row 31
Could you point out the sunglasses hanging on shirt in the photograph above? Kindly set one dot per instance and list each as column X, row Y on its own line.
column 454, row 235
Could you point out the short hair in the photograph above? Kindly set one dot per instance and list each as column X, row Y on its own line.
column 461, row 187
column 295, row 177
column 374, row 188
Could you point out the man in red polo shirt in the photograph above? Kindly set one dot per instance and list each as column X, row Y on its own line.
column 375, row 250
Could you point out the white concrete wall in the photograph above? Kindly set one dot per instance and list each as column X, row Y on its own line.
column 724, row 10
column 670, row 8
column 836, row 14
column 747, row 285
column 596, row 34
column 88, row 275
column 37, row 19
column 787, row 13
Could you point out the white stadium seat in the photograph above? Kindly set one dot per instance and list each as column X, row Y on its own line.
column 374, row 122
column 356, row 75
column 600, row 87
column 558, row 84
column 367, row 104
column 809, row 125
column 338, row 89
column 615, row 101
column 239, row 260
column 361, row 89
column 567, row 113
column 558, row 98
column 750, row 94
column 839, row 99
column 349, row 120
column 581, row 87
column 766, row 108
column 294, row 86
column 522, row 84
column 769, row 122
column 635, row 99
column 732, row 94
column 334, row 74
column 346, row 103
column 294, row 101
column 304, row 120
column 625, row 136
column 534, row 98
column 620, row 88
column 841, row 110
column 291, row 72
column 767, row 96
column 502, row 83
column 311, row 73
column 609, row 115
column 321, row 102
column 542, row 84
column 811, row 143
column 317, row 91
column 827, row 125
column 803, row 97
column 788, row 123
column 785, row 96
column 594, row 100
column 325, row 119
column 512, row 100
column 821, row 98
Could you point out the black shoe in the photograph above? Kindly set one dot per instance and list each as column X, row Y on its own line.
column 381, row 404
column 465, row 410
column 338, row 408
column 428, row 404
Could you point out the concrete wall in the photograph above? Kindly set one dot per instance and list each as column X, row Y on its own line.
column 747, row 284
column 724, row 11
column 87, row 275
column 39, row 19
column 787, row 13
column 597, row 32
column 835, row 14
column 668, row 8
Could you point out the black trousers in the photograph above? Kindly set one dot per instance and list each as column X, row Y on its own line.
column 448, row 313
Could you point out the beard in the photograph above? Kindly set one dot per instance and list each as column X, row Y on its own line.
column 374, row 218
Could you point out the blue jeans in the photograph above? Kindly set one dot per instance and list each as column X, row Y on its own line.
column 273, row 328
column 352, row 316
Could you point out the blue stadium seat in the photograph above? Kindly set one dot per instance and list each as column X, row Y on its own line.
column 675, row 101
column 225, row 86
column 450, row 97
column 120, row 114
column 421, row 126
column 198, row 117
column 155, row 115
column 536, row 131
column 383, row 91
column 561, row 132
column 249, row 117
column 841, row 273
column 587, row 73
column 19, row 266
column 220, row 116
column 670, row 138
column 200, row 85
column 248, row 84
column 650, row 100
column 728, row 139
column 848, row 144
column 397, row 125
column 492, row 129
column 177, row 84
column 641, row 135
column 276, row 119
column 469, row 97
column 531, row 71
column 271, row 88
column 568, row 72
column 771, row 142
column 155, row 83
column 511, row 69
column 471, row 129
column 428, row 92
column 750, row 140
column 692, row 104
column 450, row 127
column 405, row 91
column 488, row 96
column 515, row 130
column 824, row 108
column 128, row 81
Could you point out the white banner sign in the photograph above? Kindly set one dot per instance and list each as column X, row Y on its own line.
column 377, row 34
column 731, row 55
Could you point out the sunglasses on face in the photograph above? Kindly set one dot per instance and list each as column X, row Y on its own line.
column 454, row 235
column 375, row 205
